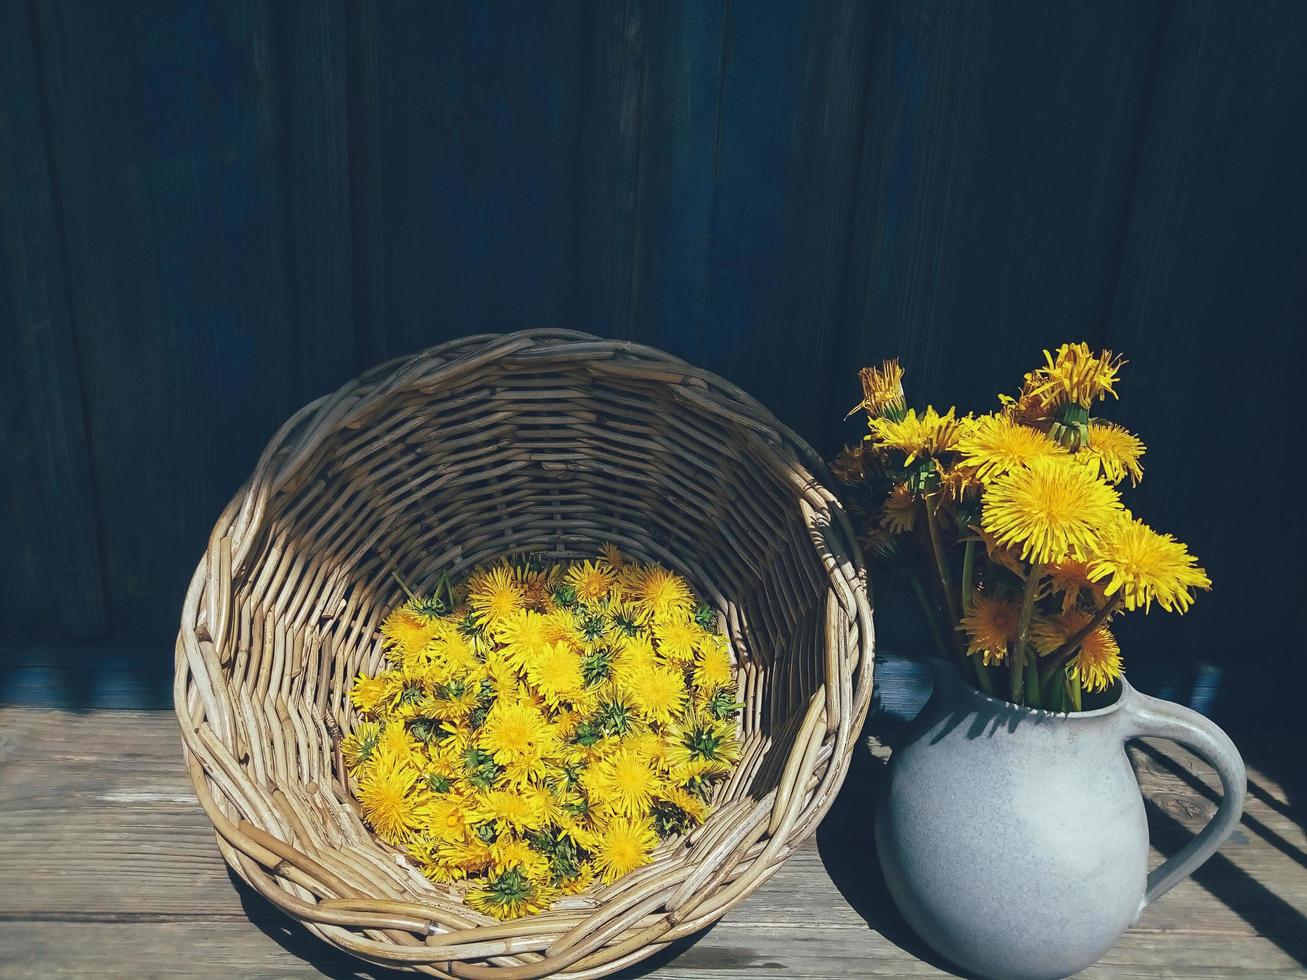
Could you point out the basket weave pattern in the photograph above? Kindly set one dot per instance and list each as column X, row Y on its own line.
column 546, row 441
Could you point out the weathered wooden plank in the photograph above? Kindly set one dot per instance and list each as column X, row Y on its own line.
column 470, row 116
column 986, row 122
column 765, row 310
column 282, row 950
column 612, row 130
column 161, row 123
column 50, row 559
column 1212, row 290
column 308, row 53
column 99, row 827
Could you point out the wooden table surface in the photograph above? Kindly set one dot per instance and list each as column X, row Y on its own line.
column 108, row 867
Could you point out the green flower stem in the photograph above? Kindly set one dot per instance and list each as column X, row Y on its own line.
column 1018, row 658
column 1073, row 692
column 946, row 586
column 968, row 572
column 929, row 612
column 1034, row 695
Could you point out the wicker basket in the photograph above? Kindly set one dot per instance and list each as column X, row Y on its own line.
column 538, row 441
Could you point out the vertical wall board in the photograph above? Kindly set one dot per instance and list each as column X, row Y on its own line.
column 762, row 305
column 999, row 163
column 477, row 129
column 309, row 55
column 683, row 51
column 612, row 102
column 1212, row 308
column 161, row 130
column 50, row 559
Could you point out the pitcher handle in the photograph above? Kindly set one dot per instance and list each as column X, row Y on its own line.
column 1165, row 719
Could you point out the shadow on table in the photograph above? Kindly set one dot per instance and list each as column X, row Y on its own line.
column 1252, row 898
column 299, row 942
column 845, row 840
column 846, row 844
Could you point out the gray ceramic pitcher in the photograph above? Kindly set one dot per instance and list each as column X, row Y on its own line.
column 1014, row 841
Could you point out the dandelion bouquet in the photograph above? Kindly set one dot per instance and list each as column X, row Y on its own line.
column 543, row 726
column 1011, row 527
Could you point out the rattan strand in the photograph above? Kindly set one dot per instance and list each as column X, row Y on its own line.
column 548, row 441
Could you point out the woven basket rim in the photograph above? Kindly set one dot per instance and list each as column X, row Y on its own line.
column 440, row 937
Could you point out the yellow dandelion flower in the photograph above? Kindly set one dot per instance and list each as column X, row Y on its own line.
column 624, row 844
column 546, row 800
column 513, row 852
column 882, row 389
column 509, row 895
column 452, row 649
column 524, row 636
column 536, row 587
column 699, row 738
column 689, row 804
column 626, row 618
column 1071, row 578
column 713, row 669
column 584, row 878
column 694, row 770
column 447, row 819
column 454, row 701
column 1097, row 664
column 393, row 804
column 494, row 594
column 625, row 783
column 611, row 555
column 406, row 632
column 1052, row 510
column 651, row 745
column 360, row 743
column 515, row 731
column 633, row 655
column 657, row 693
column 369, row 692
column 994, row 445
column 1115, row 452
column 1146, row 567
column 662, row 593
column 507, row 810
column 1075, row 375
column 927, row 434
column 991, row 626
column 591, row 581
column 469, row 856
column 899, row 512
column 398, row 742
column 556, row 674
column 678, row 639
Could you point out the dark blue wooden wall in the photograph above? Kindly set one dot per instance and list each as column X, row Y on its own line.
column 211, row 213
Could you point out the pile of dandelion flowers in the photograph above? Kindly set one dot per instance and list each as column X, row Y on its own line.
column 546, row 728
